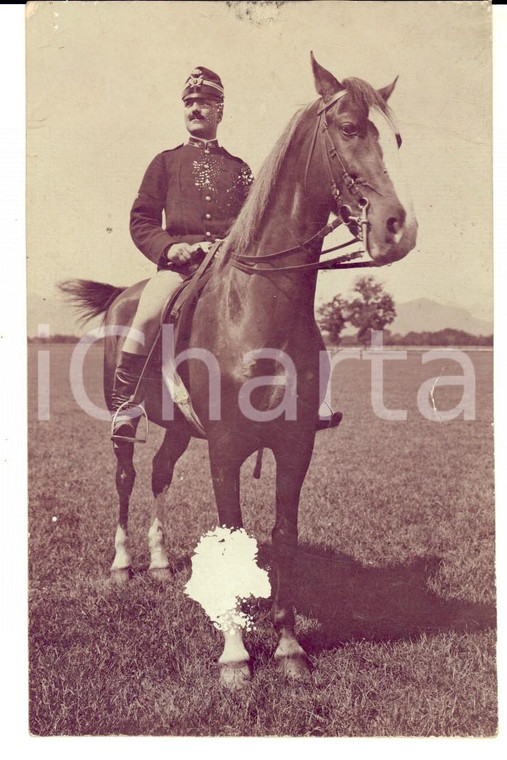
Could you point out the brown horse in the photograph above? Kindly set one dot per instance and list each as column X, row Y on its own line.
column 337, row 155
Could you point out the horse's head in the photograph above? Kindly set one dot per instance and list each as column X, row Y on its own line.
column 362, row 142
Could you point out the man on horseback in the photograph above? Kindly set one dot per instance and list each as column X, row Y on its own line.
column 257, row 316
column 199, row 188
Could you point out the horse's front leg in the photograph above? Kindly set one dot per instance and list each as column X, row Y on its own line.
column 173, row 446
column 292, row 464
column 225, row 462
column 125, row 478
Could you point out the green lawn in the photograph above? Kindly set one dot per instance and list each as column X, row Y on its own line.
column 395, row 591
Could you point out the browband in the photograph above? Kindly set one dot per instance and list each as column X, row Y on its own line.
column 331, row 102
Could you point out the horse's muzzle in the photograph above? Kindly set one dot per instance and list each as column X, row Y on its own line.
column 399, row 239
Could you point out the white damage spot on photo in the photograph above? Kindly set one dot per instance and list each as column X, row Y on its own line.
column 30, row 9
column 224, row 572
column 257, row 11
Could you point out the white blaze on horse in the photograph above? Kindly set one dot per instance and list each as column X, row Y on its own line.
column 338, row 155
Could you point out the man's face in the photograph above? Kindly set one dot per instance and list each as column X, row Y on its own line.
column 202, row 116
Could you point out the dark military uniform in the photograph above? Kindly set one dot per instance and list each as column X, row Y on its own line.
column 199, row 187
column 190, row 194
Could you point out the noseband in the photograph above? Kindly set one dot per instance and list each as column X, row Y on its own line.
column 357, row 225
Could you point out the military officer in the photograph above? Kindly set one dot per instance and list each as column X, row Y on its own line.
column 199, row 188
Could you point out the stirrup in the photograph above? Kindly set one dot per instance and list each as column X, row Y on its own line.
column 327, row 423
column 331, row 421
column 129, row 439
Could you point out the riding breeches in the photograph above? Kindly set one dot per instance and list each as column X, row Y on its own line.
column 147, row 319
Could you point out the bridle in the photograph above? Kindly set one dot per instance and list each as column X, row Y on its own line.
column 357, row 225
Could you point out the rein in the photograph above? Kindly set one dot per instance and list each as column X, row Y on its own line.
column 357, row 225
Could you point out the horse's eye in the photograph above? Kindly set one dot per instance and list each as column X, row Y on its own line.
column 348, row 130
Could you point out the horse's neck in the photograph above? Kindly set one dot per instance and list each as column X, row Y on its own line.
column 299, row 205
column 299, row 208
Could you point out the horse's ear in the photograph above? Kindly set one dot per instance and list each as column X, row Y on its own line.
column 325, row 83
column 386, row 92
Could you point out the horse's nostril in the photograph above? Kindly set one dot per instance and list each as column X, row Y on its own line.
column 393, row 225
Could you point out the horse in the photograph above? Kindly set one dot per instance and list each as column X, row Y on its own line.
column 337, row 156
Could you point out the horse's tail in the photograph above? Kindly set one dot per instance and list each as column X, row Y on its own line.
column 90, row 298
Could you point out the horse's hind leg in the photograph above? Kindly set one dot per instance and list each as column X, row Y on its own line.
column 174, row 444
column 290, row 473
column 125, row 477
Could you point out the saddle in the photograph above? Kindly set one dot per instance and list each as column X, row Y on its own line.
column 179, row 312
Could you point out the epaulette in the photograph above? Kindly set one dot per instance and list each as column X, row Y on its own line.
column 170, row 150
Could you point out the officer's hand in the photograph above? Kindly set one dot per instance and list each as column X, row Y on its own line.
column 202, row 246
column 180, row 253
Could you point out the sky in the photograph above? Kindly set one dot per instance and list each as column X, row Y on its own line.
column 104, row 84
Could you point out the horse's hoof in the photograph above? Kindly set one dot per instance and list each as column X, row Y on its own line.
column 235, row 675
column 296, row 667
column 120, row 575
column 160, row 573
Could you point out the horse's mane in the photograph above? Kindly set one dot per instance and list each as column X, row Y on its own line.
column 364, row 96
column 242, row 233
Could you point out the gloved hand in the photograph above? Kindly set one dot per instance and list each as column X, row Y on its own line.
column 180, row 253
column 184, row 253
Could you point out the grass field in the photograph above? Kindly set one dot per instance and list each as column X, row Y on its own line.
column 395, row 592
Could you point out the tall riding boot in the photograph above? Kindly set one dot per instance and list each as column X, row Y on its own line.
column 324, row 423
column 125, row 414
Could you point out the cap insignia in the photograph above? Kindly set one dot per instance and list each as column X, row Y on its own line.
column 195, row 81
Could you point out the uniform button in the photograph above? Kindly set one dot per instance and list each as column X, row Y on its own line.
column 208, row 233
column 208, row 198
column 206, row 150
column 208, row 216
column 206, row 166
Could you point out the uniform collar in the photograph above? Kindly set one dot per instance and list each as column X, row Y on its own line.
column 197, row 142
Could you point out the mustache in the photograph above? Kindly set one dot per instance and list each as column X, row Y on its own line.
column 196, row 115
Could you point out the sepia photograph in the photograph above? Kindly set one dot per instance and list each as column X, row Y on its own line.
column 259, row 291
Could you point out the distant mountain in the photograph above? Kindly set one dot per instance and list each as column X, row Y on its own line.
column 480, row 310
column 422, row 314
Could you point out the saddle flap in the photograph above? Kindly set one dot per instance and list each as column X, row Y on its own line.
column 179, row 312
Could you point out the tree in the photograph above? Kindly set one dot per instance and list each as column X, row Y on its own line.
column 373, row 309
column 332, row 318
